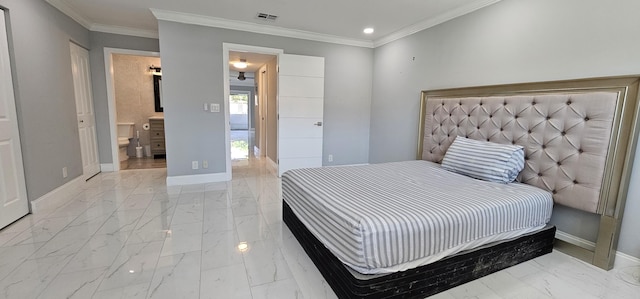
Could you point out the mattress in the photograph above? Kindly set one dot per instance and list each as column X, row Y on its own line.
column 391, row 217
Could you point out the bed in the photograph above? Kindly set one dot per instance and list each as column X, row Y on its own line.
column 412, row 229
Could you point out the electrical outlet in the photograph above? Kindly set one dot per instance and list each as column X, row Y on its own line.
column 194, row 164
column 330, row 158
column 205, row 164
column 64, row 172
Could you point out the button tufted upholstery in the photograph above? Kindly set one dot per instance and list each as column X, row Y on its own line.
column 565, row 137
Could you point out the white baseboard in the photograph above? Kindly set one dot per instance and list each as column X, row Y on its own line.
column 571, row 239
column 57, row 197
column 359, row 164
column 272, row 166
column 622, row 259
column 198, row 179
column 107, row 167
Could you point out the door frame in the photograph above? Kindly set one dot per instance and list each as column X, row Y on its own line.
column 111, row 99
column 226, row 47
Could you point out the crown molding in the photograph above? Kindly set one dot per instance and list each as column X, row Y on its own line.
column 428, row 23
column 194, row 19
column 70, row 12
column 124, row 30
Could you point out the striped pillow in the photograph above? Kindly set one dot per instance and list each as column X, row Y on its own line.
column 482, row 160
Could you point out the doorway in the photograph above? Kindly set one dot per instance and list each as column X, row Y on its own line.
column 251, row 107
column 136, row 121
column 242, row 130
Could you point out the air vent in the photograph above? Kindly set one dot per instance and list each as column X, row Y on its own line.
column 266, row 17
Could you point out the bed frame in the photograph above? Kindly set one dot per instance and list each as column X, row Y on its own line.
column 608, row 174
column 422, row 281
column 436, row 132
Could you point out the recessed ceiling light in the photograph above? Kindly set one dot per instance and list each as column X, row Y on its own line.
column 368, row 30
column 242, row 64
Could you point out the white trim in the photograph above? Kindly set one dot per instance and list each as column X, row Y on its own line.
column 124, row 30
column 358, row 164
column 201, row 20
column 272, row 166
column 198, row 179
column 106, row 167
column 58, row 196
column 571, row 239
column 194, row 19
column 111, row 96
column 226, row 47
column 624, row 260
column 68, row 10
column 428, row 23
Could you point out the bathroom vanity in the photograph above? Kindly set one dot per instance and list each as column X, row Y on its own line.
column 156, row 132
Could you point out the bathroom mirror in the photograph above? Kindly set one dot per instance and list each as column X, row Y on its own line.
column 157, row 90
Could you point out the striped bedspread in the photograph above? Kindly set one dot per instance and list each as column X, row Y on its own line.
column 390, row 217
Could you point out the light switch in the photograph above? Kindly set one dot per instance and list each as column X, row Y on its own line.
column 206, row 107
column 215, row 107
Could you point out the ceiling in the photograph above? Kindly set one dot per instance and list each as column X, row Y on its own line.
column 254, row 60
column 340, row 19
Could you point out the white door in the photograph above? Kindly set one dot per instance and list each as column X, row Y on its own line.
column 13, row 192
column 300, row 111
column 84, row 108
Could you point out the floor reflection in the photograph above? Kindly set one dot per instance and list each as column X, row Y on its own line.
column 241, row 143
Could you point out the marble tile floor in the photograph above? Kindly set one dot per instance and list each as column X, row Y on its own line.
column 143, row 163
column 128, row 235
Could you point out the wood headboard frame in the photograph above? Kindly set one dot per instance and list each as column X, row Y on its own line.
column 619, row 158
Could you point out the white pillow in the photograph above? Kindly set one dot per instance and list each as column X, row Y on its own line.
column 483, row 160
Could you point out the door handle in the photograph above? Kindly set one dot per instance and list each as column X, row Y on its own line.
column 319, row 124
column 81, row 121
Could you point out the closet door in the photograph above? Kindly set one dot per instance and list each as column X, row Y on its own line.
column 13, row 193
column 84, row 108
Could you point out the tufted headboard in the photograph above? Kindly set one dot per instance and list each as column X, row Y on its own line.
column 579, row 139
column 565, row 136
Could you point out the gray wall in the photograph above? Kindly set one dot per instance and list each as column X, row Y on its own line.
column 99, row 41
column 511, row 41
column 192, row 74
column 39, row 39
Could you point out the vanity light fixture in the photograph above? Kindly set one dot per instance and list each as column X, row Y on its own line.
column 368, row 30
column 242, row 64
column 156, row 70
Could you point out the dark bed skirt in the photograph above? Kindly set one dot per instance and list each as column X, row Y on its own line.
column 425, row 280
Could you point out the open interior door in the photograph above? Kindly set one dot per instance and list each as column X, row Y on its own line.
column 300, row 111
